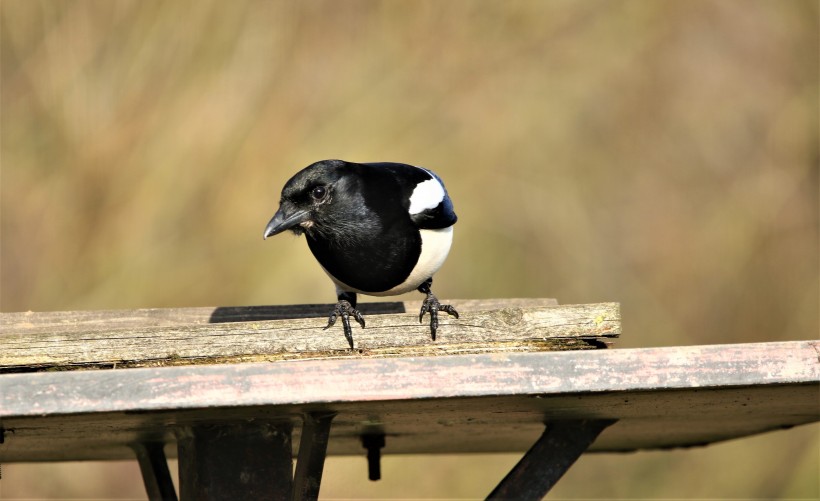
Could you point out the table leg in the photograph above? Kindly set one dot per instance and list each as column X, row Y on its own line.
column 312, row 452
column 549, row 458
column 251, row 460
column 155, row 472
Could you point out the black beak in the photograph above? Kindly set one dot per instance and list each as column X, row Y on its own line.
column 284, row 220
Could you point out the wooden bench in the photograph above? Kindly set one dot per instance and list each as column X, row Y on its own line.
column 236, row 392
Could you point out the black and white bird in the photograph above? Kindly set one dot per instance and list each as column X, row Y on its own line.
column 379, row 229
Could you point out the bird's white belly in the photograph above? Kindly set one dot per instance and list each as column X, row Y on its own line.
column 435, row 245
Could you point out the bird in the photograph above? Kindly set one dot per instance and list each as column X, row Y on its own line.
column 378, row 229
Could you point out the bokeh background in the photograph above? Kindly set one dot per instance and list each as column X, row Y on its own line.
column 663, row 154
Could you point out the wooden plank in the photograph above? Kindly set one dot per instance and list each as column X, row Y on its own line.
column 661, row 397
column 63, row 341
column 89, row 320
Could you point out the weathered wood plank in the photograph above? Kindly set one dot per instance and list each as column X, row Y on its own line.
column 86, row 320
column 52, row 343
column 662, row 397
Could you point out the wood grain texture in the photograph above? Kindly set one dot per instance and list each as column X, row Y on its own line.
column 483, row 395
column 32, row 341
column 661, row 397
column 87, row 320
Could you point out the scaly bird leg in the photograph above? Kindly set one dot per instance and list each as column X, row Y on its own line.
column 432, row 305
column 344, row 309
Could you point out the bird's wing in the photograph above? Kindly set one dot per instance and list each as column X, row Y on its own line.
column 440, row 216
column 424, row 194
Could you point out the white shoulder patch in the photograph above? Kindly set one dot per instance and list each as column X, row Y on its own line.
column 427, row 195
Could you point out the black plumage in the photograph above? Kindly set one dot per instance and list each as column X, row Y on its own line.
column 376, row 228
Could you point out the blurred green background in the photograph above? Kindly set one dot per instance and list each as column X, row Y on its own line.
column 663, row 154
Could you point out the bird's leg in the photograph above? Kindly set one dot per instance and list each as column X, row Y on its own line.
column 344, row 309
column 432, row 305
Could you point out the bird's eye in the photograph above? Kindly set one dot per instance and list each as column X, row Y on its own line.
column 318, row 193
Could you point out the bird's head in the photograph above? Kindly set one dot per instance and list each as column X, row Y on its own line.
column 319, row 199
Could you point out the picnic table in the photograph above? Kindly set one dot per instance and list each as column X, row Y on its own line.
column 236, row 393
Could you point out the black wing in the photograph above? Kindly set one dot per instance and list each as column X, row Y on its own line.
column 408, row 178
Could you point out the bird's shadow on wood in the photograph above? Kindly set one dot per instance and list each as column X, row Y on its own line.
column 224, row 314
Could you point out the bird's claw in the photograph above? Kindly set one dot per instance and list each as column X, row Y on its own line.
column 345, row 310
column 432, row 305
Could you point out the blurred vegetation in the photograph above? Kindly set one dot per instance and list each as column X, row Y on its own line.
column 660, row 154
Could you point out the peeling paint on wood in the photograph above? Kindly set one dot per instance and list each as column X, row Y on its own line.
column 662, row 398
column 484, row 387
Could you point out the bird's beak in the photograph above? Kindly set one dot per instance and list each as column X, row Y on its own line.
column 284, row 220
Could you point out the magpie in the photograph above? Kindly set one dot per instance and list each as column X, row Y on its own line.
column 379, row 229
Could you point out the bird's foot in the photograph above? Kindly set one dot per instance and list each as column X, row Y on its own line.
column 345, row 310
column 432, row 305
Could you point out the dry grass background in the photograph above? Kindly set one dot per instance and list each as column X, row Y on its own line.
column 663, row 154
